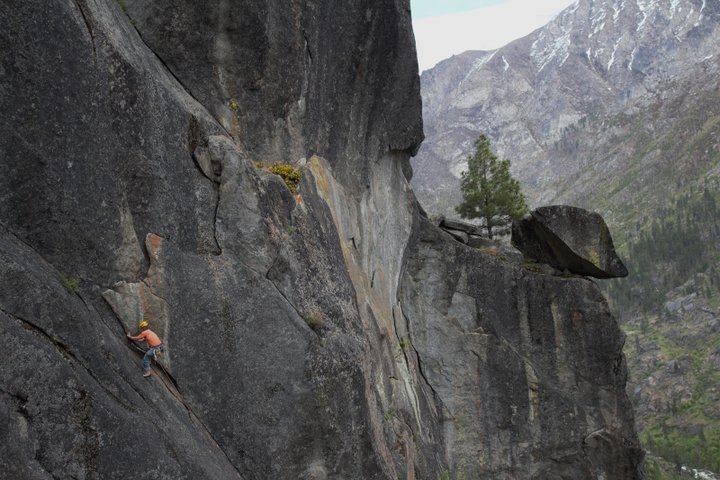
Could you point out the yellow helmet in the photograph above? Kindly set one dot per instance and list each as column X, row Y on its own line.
column 143, row 324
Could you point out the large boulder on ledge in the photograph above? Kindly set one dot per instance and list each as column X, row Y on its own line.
column 568, row 238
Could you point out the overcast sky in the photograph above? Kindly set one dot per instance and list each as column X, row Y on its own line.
column 447, row 27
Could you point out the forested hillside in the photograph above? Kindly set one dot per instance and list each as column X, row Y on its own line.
column 669, row 306
column 680, row 244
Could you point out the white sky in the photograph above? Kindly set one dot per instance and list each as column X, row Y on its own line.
column 484, row 27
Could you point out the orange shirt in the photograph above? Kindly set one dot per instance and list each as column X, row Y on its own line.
column 150, row 337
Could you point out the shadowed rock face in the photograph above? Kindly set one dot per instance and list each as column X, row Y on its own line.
column 294, row 326
column 288, row 78
column 528, row 367
column 569, row 238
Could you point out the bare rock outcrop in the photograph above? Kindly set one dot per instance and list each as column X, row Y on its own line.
column 568, row 238
column 528, row 367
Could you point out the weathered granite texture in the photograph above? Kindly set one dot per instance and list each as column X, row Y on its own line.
column 568, row 238
column 528, row 367
column 129, row 150
column 291, row 78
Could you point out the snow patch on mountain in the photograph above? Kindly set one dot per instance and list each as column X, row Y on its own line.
column 617, row 10
column 674, row 7
column 645, row 7
column 597, row 23
column 480, row 62
column 612, row 57
column 543, row 51
column 632, row 59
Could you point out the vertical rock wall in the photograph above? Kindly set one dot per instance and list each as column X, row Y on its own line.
column 293, row 325
column 528, row 367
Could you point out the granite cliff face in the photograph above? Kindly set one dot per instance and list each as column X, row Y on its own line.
column 542, row 353
column 332, row 335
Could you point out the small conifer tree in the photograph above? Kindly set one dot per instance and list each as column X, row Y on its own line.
column 489, row 191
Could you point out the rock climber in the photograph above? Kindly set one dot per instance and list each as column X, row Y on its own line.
column 154, row 343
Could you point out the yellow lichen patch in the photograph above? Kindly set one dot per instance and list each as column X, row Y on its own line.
column 290, row 175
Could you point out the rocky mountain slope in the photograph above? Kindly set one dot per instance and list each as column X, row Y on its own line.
column 332, row 335
column 593, row 107
column 674, row 381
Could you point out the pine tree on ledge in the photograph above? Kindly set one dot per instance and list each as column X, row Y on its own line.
column 489, row 191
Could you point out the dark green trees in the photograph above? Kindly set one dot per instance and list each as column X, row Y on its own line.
column 489, row 191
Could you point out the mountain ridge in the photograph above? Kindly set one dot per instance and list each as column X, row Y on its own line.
column 526, row 94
